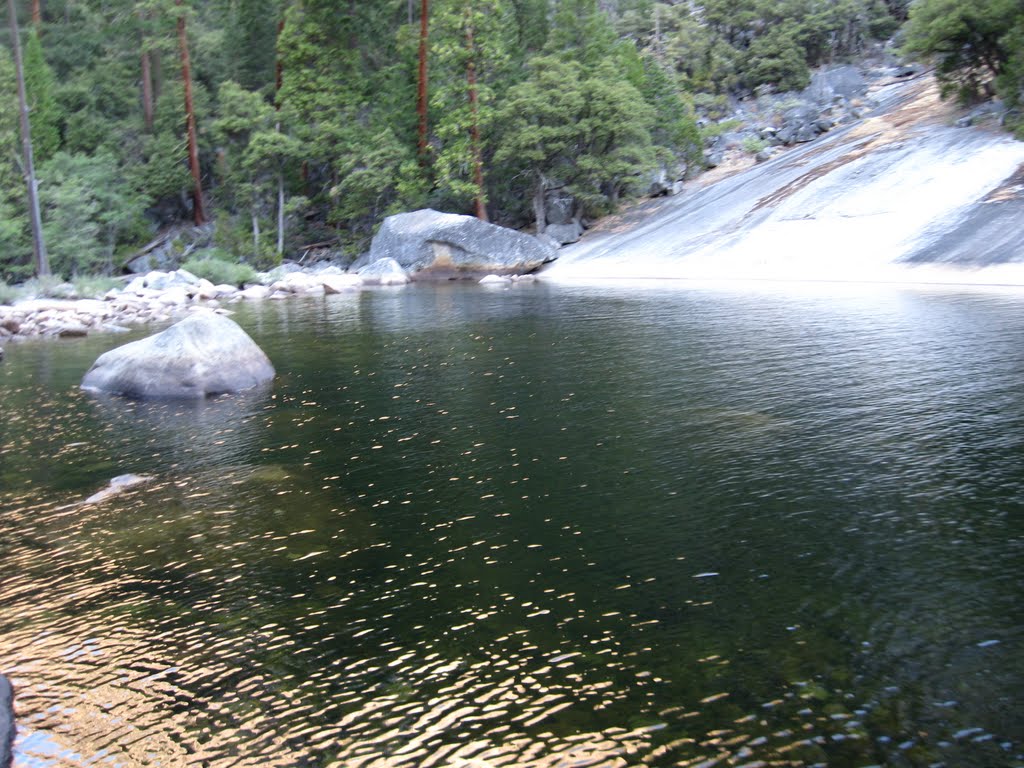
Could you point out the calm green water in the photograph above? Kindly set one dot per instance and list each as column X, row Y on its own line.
column 534, row 527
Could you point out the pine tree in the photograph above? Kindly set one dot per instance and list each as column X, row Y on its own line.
column 540, row 131
column 422, row 83
column 42, row 262
column 582, row 31
column 198, row 207
column 251, row 44
column 973, row 41
column 471, row 49
column 40, row 88
column 13, row 221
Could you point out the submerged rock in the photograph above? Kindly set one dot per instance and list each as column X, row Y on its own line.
column 427, row 243
column 117, row 486
column 204, row 354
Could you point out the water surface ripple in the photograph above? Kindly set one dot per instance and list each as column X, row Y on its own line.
column 544, row 526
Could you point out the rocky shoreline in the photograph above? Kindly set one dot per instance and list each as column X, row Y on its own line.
column 161, row 297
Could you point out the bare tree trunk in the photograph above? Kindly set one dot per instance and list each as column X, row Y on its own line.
column 280, row 214
column 278, row 80
column 38, row 244
column 421, row 89
column 199, row 213
column 474, row 126
column 37, row 16
column 539, row 206
column 255, row 232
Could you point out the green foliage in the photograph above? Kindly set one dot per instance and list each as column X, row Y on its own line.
column 976, row 43
column 220, row 270
column 163, row 170
column 582, row 95
column 250, row 46
column 531, row 24
column 675, row 128
column 581, row 31
column 713, row 130
column 588, row 130
column 381, row 179
column 15, row 248
column 1010, row 82
column 49, row 287
column 468, row 35
column 8, row 293
column 94, row 287
column 87, row 207
column 776, row 58
column 40, row 91
column 752, row 145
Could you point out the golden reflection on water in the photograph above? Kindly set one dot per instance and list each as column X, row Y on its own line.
column 125, row 692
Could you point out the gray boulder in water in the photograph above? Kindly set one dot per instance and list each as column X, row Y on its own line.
column 430, row 244
column 6, row 722
column 204, row 354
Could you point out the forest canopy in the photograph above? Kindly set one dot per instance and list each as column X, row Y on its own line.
column 310, row 124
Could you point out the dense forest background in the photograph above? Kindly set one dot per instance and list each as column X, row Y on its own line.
column 310, row 126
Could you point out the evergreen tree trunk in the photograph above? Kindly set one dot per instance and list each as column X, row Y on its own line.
column 37, row 15
column 199, row 214
column 421, row 89
column 42, row 261
column 474, row 127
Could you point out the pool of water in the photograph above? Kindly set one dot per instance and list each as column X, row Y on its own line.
column 537, row 526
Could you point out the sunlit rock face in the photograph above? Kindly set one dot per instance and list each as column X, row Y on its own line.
column 205, row 354
column 429, row 244
column 901, row 196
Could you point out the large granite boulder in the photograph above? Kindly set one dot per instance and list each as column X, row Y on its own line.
column 842, row 83
column 559, row 207
column 204, row 354
column 429, row 244
column 564, row 234
column 6, row 722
